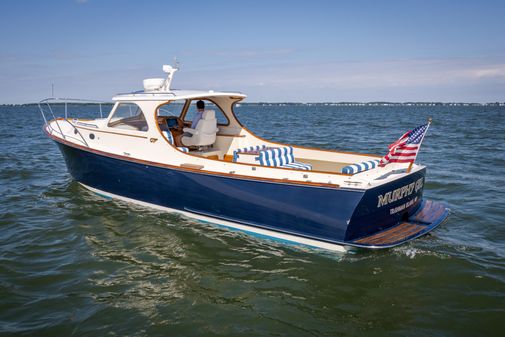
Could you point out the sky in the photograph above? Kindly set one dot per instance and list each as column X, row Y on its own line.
column 273, row 51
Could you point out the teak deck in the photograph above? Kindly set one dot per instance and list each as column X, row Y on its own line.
column 431, row 212
column 392, row 235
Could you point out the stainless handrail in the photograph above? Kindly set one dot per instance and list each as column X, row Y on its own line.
column 66, row 101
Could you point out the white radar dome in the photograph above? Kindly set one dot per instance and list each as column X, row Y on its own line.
column 153, row 84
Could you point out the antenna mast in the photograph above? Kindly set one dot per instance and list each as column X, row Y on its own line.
column 170, row 74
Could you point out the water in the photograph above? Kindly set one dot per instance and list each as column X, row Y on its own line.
column 74, row 264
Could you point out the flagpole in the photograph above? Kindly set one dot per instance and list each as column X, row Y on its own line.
column 425, row 132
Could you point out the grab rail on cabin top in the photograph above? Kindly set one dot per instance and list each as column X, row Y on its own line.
column 52, row 100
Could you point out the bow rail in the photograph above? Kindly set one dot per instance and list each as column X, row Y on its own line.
column 46, row 107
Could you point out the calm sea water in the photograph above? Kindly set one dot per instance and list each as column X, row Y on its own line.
column 74, row 264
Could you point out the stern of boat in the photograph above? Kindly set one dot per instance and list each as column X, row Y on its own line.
column 393, row 213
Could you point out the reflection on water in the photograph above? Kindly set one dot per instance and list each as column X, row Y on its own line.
column 73, row 263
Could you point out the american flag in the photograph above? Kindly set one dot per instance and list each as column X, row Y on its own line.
column 405, row 149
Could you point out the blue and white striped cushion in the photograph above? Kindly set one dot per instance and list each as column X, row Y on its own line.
column 299, row 166
column 171, row 141
column 360, row 167
column 245, row 149
column 278, row 156
column 169, row 136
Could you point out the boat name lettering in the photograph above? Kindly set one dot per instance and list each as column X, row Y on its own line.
column 400, row 193
column 403, row 206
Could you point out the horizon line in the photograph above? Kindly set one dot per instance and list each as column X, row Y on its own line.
column 495, row 103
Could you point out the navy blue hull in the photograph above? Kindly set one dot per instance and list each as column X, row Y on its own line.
column 329, row 214
column 369, row 217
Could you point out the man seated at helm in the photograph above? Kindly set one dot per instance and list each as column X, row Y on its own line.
column 200, row 109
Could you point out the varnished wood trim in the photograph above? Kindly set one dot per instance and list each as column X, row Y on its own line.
column 179, row 168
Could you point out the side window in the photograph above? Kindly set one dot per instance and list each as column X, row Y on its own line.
column 128, row 116
column 221, row 118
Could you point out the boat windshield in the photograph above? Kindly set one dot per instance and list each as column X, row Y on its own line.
column 128, row 116
column 172, row 109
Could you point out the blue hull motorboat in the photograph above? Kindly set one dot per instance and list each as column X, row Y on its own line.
column 160, row 148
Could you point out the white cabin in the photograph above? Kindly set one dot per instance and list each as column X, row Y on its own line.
column 133, row 131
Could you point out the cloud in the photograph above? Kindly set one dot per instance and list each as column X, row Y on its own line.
column 81, row 1
column 493, row 71
column 267, row 79
column 393, row 73
column 460, row 79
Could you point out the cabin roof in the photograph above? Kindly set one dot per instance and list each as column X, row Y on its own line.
column 173, row 94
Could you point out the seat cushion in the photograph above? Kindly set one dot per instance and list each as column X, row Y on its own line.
column 281, row 157
column 245, row 149
column 170, row 139
column 277, row 156
column 360, row 167
column 204, row 132
column 169, row 136
column 298, row 166
column 209, row 114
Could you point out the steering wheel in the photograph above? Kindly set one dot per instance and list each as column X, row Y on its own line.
column 179, row 122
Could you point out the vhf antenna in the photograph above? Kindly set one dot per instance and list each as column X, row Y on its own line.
column 170, row 70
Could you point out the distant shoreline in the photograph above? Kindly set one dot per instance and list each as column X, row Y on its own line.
column 326, row 104
column 381, row 104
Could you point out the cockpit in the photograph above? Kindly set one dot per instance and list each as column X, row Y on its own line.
column 190, row 126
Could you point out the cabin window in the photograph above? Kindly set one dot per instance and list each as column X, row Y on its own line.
column 221, row 118
column 128, row 116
